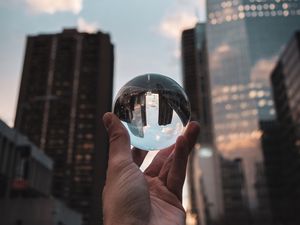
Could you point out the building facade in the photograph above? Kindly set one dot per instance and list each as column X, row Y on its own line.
column 244, row 41
column 25, row 186
column 36, row 211
column 203, row 169
column 234, row 193
column 286, row 134
column 66, row 87
column 25, row 169
column 196, row 79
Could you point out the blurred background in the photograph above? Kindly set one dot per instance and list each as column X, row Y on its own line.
column 62, row 62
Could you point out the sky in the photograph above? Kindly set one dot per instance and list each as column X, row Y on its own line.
column 146, row 35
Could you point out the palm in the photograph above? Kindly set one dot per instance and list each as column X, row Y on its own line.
column 165, row 207
column 151, row 189
column 150, row 197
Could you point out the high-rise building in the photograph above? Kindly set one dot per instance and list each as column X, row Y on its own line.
column 244, row 39
column 196, row 79
column 286, row 83
column 284, row 159
column 66, row 87
column 234, row 195
column 274, row 154
column 205, row 190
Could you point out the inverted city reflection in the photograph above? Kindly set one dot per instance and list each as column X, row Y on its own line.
column 154, row 109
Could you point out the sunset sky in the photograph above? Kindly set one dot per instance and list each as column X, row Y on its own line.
column 146, row 35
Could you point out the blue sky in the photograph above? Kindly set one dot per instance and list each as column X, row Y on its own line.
column 146, row 35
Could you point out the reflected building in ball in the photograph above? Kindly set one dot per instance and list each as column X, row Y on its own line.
column 152, row 107
column 244, row 40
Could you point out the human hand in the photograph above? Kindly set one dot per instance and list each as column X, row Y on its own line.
column 150, row 198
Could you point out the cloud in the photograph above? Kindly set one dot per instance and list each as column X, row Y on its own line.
column 183, row 14
column 53, row 6
column 197, row 6
column 262, row 69
column 88, row 27
column 173, row 24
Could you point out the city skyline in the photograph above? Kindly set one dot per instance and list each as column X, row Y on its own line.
column 243, row 44
column 152, row 45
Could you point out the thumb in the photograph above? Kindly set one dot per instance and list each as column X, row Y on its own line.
column 119, row 141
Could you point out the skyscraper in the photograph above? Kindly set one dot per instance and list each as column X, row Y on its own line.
column 66, row 87
column 196, row 79
column 205, row 197
column 234, row 195
column 244, row 40
column 285, row 133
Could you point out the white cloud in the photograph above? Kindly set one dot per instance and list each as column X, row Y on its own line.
column 262, row 69
column 197, row 6
column 183, row 14
column 88, row 27
column 53, row 6
column 173, row 24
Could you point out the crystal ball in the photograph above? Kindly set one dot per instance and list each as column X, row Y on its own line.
column 154, row 109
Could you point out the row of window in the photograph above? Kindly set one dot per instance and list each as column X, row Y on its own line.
column 240, row 136
column 242, row 15
column 243, row 105
column 258, row 7
column 238, row 88
column 254, row 94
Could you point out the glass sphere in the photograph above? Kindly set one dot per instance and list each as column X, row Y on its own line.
column 154, row 109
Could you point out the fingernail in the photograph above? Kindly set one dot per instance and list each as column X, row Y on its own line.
column 107, row 120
